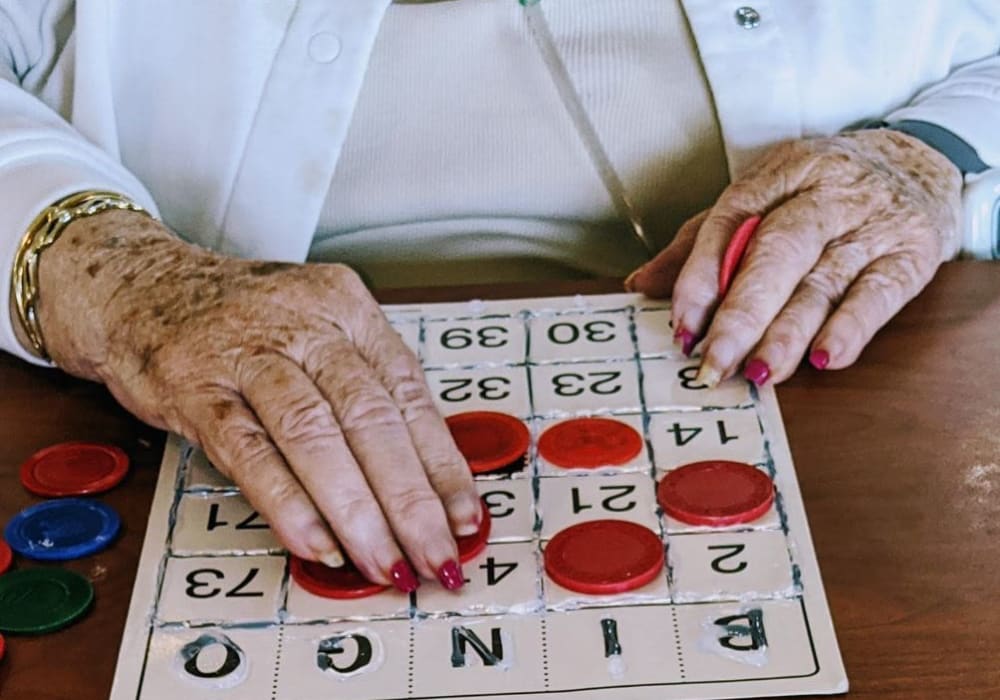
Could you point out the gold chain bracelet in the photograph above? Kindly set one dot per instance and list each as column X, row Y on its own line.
column 43, row 232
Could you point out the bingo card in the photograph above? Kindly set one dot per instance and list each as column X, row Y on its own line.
column 728, row 610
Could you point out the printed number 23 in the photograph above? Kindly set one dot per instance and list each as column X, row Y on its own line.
column 574, row 384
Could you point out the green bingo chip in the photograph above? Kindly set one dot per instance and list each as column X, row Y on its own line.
column 35, row 601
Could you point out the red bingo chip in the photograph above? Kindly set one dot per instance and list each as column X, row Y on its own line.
column 715, row 493
column 3, row 647
column 6, row 556
column 489, row 440
column 604, row 557
column 74, row 469
column 470, row 546
column 585, row 443
column 343, row 583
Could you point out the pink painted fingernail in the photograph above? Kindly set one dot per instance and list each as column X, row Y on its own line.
column 819, row 359
column 403, row 577
column 757, row 371
column 450, row 575
column 686, row 340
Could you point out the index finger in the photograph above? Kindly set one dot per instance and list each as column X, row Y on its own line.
column 402, row 375
column 786, row 246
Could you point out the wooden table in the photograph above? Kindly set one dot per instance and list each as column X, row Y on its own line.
column 898, row 459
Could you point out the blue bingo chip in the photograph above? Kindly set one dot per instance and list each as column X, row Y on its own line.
column 62, row 529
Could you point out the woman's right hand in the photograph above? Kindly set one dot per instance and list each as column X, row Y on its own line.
column 290, row 378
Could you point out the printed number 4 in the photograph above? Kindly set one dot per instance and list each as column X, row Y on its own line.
column 495, row 573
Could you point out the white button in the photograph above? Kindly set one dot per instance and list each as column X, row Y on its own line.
column 324, row 47
column 747, row 17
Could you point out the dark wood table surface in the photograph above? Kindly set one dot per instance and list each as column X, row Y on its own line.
column 898, row 459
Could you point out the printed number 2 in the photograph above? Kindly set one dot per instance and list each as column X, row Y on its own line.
column 196, row 581
column 731, row 550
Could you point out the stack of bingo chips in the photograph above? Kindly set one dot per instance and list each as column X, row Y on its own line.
column 43, row 599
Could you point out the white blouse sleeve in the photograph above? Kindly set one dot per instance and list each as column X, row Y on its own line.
column 967, row 103
column 42, row 158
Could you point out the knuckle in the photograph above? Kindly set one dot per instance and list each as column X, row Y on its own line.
column 776, row 247
column 306, row 422
column 448, row 472
column 786, row 335
column 414, row 505
column 735, row 320
column 413, row 398
column 821, row 288
column 247, row 445
column 284, row 501
column 852, row 323
column 367, row 408
column 742, row 195
column 352, row 506
column 694, row 289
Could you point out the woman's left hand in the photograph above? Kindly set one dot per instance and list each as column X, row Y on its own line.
column 854, row 226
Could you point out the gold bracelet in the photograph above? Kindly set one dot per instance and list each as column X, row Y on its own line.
column 43, row 232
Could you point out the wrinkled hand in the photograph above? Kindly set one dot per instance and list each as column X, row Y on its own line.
column 288, row 376
column 854, row 226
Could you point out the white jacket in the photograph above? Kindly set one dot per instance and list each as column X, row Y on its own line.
column 227, row 116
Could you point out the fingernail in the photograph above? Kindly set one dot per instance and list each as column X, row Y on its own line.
column 450, row 575
column 466, row 529
column 630, row 280
column 709, row 376
column 403, row 577
column 686, row 339
column 333, row 559
column 757, row 371
column 324, row 547
column 819, row 359
column 471, row 525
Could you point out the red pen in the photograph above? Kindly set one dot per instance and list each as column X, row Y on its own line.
column 734, row 252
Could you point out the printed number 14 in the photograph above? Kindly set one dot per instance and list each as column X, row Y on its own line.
column 683, row 436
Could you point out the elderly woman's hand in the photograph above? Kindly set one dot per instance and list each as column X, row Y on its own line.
column 854, row 226
column 288, row 376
